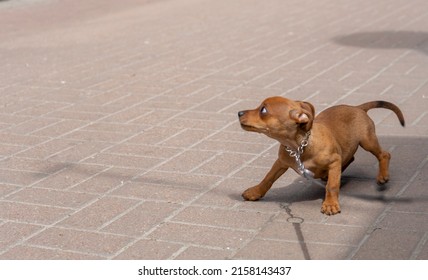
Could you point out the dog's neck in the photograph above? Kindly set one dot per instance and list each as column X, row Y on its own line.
column 294, row 144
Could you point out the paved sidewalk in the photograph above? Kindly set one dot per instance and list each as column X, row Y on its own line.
column 119, row 136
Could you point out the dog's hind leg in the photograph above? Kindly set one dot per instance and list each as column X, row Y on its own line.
column 370, row 143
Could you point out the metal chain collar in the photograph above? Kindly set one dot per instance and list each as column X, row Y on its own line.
column 296, row 154
column 306, row 173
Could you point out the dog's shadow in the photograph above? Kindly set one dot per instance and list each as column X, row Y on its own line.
column 301, row 190
column 297, row 191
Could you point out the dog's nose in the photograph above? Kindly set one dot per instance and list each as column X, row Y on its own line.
column 241, row 113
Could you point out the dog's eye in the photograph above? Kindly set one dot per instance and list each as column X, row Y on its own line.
column 263, row 110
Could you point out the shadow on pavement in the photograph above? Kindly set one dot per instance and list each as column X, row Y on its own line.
column 386, row 40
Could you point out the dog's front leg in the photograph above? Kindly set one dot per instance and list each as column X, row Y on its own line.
column 331, row 205
column 257, row 192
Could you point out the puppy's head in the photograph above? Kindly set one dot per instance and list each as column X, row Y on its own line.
column 279, row 118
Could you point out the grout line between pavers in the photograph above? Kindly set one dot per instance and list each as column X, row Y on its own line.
column 344, row 77
column 231, row 105
column 418, row 119
column 308, row 242
column 185, row 246
column 166, row 139
column 407, row 212
column 193, row 170
column 179, row 252
column 418, row 170
column 122, row 214
column 37, row 205
column 264, row 226
column 95, row 255
column 411, row 69
column 249, row 230
column 419, row 247
column 386, row 89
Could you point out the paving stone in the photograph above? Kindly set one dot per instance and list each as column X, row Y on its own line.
column 79, row 152
column 259, row 249
column 386, row 244
column 124, row 161
column 201, row 235
column 99, row 213
column 48, row 149
column 223, row 218
column 79, row 241
column 52, row 197
column 203, row 253
column 20, row 178
column 141, row 219
column 7, row 189
column 149, row 250
column 25, row 252
column 226, row 194
column 178, row 179
column 70, row 176
column 187, row 161
column 11, row 233
column 155, row 192
column 107, row 180
column 404, row 221
column 224, row 163
column 313, row 233
column 29, row 213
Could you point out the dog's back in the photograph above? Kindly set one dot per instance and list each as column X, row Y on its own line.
column 346, row 117
column 342, row 118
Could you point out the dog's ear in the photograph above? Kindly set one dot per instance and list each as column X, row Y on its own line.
column 304, row 116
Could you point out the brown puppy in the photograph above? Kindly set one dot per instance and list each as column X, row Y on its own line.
column 332, row 139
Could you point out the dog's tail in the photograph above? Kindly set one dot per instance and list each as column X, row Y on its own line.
column 383, row 104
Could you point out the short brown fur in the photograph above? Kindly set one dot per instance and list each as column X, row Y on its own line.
column 335, row 136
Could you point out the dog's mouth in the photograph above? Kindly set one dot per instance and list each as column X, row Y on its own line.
column 252, row 128
column 246, row 127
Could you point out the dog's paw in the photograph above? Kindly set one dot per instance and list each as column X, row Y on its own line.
column 330, row 208
column 382, row 179
column 252, row 194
